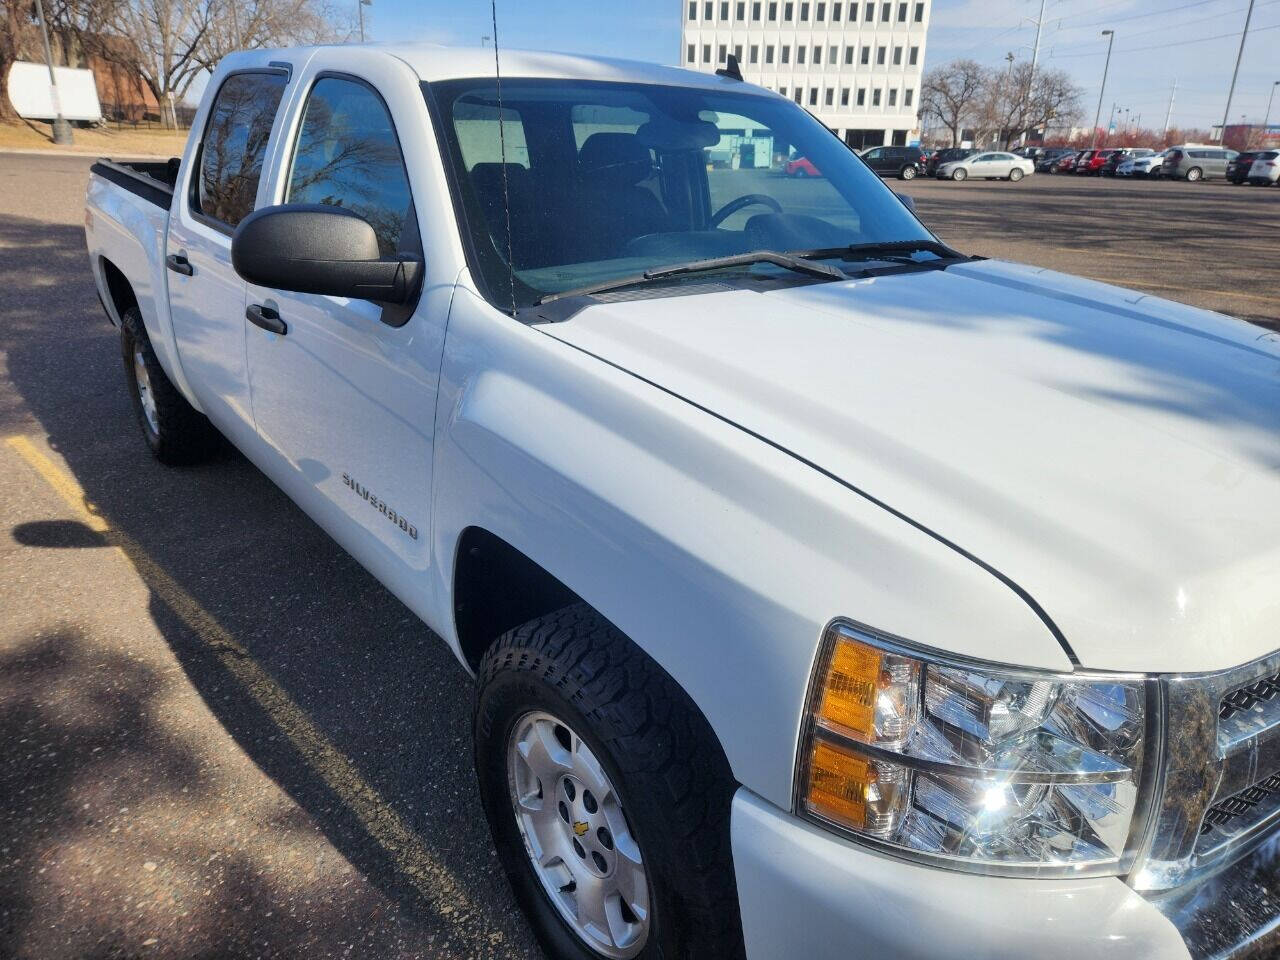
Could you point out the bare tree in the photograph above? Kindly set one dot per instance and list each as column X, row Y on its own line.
column 950, row 94
column 234, row 25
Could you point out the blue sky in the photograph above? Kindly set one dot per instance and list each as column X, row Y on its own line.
column 1179, row 31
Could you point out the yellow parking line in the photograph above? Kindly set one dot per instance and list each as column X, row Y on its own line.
column 431, row 878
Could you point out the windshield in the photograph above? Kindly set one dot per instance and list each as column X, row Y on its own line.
column 604, row 180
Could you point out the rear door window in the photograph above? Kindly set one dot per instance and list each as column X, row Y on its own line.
column 235, row 142
column 348, row 156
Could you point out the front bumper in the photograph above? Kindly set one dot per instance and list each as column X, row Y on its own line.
column 805, row 892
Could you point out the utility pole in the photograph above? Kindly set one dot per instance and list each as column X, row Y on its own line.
column 360, row 5
column 1004, row 86
column 1169, row 113
column 1035, row 58
column 1111, row 39
column 61, row 129
column 1266, row 117
column 1234, row 73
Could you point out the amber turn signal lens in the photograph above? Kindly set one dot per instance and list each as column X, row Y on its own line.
column 838, row 783
column 849, row 690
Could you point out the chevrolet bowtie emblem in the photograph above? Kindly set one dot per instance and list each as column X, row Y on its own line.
column 579, row 828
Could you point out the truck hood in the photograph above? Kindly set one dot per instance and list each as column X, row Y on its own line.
column 1114, row 454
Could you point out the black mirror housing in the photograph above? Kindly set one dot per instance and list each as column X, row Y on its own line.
column 318, row 248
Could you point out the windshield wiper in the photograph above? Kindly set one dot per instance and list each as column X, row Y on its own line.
column 898, row 251
column 800, row 264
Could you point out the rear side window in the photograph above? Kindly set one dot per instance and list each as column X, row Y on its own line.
column 235, row 141
column 348, row 156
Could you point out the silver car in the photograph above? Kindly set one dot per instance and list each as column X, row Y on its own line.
column 988, row 166
column 1192, row 162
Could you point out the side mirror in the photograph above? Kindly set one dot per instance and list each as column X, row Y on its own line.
column 318, row 248
column 908, row 201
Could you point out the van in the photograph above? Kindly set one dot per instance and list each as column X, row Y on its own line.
column 1192, row 162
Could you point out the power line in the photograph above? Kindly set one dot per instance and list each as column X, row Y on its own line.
column 1133, row 16
column 1163, row 46
column 1184, row 23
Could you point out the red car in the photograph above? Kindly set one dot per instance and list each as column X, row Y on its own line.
column 801, row 167
column 1067, row 163
column 1090, row 162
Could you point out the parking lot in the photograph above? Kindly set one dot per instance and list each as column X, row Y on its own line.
column 222, row 736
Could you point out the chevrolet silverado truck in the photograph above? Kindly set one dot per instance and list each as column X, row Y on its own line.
column 828, row 592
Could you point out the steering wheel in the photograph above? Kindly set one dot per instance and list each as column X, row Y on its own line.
column 746, row 200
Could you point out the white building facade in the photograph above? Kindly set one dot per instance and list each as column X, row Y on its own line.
column 855, row 66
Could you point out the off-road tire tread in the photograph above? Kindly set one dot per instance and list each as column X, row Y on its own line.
column 186, row 435
column 652, row 729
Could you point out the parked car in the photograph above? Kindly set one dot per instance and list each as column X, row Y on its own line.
column 1238, row 166
column 946, row 155
column 1052, row 156
column 1090, row 165
column 800, row 167
column 1147, row 165
column 1110, row 166
column 1067, row 164
column 931, row 616
column 1265, row 169
column 1192, row 162
column 905, row 163
column 992, row 165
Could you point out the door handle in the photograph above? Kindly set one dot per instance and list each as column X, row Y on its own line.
column 178, row 263
column 265, row 317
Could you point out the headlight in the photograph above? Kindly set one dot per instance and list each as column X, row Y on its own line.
column 982, row 767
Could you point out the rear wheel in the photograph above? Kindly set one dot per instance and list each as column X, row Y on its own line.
column 1015, row 174
column 175, row 431
column 1194, row 174
column 607, row 795
column 908, row 172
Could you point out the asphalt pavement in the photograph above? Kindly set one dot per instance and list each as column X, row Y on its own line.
column 222, row 737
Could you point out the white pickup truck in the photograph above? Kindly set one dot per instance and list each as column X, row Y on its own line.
column 829, row 592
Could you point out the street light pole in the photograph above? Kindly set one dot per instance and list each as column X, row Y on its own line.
column 360, row 5
column 1266, row 117
column 61, row 129
column 1234, row 73
column 1169, row 113
column 1111, row 39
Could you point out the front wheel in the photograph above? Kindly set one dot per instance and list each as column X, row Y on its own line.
column 908, row 173
column 1194, row 174
column 959, row 174
column 1015, row 175
column 607, row 795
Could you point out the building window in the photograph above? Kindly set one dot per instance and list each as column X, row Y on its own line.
column 907, row 96
column 913, row 56
column 755, row 12
column 706, row 10
column 737, row 52
column 844, row 96
column 866, row 56
column 848, row 54
column 886, row 9
column 782, row 91
column 875, row 97
column 919, row 13
column 724, row 10
column 693, row 10
column 768, row 53
column 799, row 98
column 817, row 54
column 786, row 53
column 869, row 13
column 902, row 13
column 833, row 55
column 691, row 54
column 822, row 11
column 741, row 10
column 800, row 54
column 835, row 12
column 831, row 96
column 897, row 56
column 862, row 96
column 787, row 10
column 720, row 53
column 804, row 11
column 755, row 53
column 893, row 97
column 706, row 53
column 813, row 96
column 773, row 11
column 880, row 52
column 853, row 12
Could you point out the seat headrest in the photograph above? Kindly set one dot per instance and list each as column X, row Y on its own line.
column 616, row 159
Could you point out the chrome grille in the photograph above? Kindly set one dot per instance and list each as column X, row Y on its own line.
column 1241, row 804
column 1246, row 698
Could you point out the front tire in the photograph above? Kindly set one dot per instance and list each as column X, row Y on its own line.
column 578, row 731
column 174, row 430
column 959, row 175
column 1194, row 174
